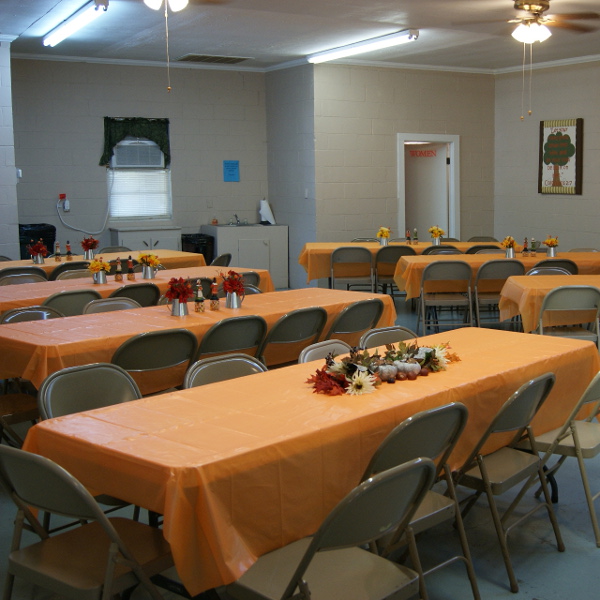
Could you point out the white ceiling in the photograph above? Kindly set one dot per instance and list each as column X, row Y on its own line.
column 275, row 33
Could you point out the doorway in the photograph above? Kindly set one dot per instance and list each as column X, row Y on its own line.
column 428, row 183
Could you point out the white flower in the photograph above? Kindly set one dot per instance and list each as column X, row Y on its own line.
column 441, row 353
column 337, row 367
column 362, row 382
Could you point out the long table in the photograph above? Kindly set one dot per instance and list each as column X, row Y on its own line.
column 409, row 269
column 35, row 349
column 241, row 467
column 315, row 257
column 525, row 295
column 30, row 294
column 170, row 259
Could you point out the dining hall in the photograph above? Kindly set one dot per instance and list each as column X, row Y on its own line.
column 238, row 273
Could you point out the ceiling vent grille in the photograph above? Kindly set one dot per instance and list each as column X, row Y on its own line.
column 207, row 58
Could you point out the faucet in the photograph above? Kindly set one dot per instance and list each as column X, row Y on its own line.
column 237, row 220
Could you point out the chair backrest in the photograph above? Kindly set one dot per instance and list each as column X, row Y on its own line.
column 30, row 313
column 351, row 254
column 146, row 293
column 109, row 304
column 68, row 266
column 320, row 350
column 5, row 258
column 251, row 289
column 390, row 255
column 482, row 238
column 548, row 271
column 222, row 260
column 479, row 247
column 583, row 250
column 236, row 334
column 365, row 239
column 450, row 239
column 303, row 325
column 454, row 270
column 74, row 274
column 221, row 368
column 251, row 278
column 156, row 350
column 490, row 251
column 386, row 335
column 571, row 298
column 381, row 504
column 108, row 249
column 515, row 414
column 431, row 434
column 356, row 317
column 500, row 269
column 19, row 278
column 446, row 249
column 29, row 270
column 71, row 302
column 563, row 263
column 81, row 388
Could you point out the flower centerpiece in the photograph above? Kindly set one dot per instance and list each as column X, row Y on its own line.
column 508, row 243
column 436, row 233
column 38, row 251
column 361, row 372
column 89, row 244
column 552, row 243
column 179, row 291
column 233, row 285
column 149, row 264
column 383, row 235
column 99, row 270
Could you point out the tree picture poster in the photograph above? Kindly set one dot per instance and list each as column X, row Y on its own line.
column 561, row 157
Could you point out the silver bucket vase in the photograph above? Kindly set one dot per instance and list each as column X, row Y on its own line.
column 233, row 300
column 437, row 241
column 552, row 251
column 88, row 254
column 38, row 259
column 179, row 308
column 510, row 252
column 148, row 272
column 383, row 241
column 100, row 277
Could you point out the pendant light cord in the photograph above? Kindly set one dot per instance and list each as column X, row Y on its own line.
column 529, row 112
column 167, row 47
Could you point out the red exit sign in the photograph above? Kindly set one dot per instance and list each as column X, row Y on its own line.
column 423, row 153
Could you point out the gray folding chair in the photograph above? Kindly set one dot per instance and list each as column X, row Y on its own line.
column 583, row 250
column 29, row 270
column 452, row 273
column 364, row 239
column 5, row 258
column 351, row 257
column 320, row 350
column 30, row 313
column 236, row 334
column 145, row 294
column 292, row 332
column 251, row 289
column 497, row 472
column 445, row 249
column 74, row 274
column 221, row 368
column 331, row 563
column 109, row 249
column 487, row 296
column 71, row 302
column 581, row 303
column 73, row 265
column 16, row 408
column 432, row 434
column 356, row 318
column 479, row 247
column 548, row 271
column 562, row 263
column 386, row 335
column 482, row 238
column 98, row 560
column 110, row 304
column 19, row 278
column 222, row 260
column 251, row 278
column 386, row 260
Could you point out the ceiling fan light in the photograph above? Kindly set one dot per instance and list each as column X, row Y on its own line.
column 177, row 5
column 153, row 4
column 528, row 33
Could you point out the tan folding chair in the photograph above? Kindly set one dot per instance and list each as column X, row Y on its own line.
column 320, row 350
column 497, row 472
column 386, row 335
column 71, row 302
column 222, row 368
column 347, row 259
column 98, row 560
column 331, row 564
column 432, row 434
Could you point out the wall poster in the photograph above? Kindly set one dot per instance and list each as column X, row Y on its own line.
column 561, row 157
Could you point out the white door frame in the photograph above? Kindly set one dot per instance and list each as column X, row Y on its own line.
column 453, row 142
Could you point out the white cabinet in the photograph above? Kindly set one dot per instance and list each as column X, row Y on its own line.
column 254, row 247
column 146, row 238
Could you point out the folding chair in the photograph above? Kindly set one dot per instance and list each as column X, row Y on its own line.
column 331, row 564
column 236, row 334
column 30, row 313
column 356, row 318
column 19, row 278
column 76, row 265
column 110, row 304
column 385, row 264
column 445, row 249
column 386, row 335
column 29, row 270
column 497, row 472
column 145, row 293
column 562, row 263
column 345, row 261
column 222, row 260
column 221, row 368
column 71, row 302
column 479, row 247
column 320, row 350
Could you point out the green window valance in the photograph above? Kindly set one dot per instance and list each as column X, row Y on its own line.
column 117, row 129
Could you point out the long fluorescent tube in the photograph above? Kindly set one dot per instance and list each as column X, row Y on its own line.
column 527, row 33
column 86, row 14
column 385, row 41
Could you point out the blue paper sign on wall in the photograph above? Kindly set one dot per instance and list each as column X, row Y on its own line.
column 231, row 170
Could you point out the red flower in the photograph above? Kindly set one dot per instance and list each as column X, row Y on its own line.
column 179, row 289
column 233, row 282
column 89, row 243
column 37, row 248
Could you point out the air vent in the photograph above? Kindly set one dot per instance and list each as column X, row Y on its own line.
column 207, row 58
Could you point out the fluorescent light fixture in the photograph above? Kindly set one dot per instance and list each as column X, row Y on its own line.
column 385, row 41
column 86, row 14
column 174, row 5
column 527, row 33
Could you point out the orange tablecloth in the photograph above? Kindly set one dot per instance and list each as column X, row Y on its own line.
column 315, row 257
column 30, row 294
column 34, row 349
column 524, row 296
column 170, row 259
column 264, row 464
column 409, row 269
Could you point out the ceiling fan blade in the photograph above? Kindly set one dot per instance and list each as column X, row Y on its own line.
column 573, row 16
column 571, row 26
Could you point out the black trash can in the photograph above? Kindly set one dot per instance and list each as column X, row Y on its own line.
column 201, row 243
column 36, row 232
